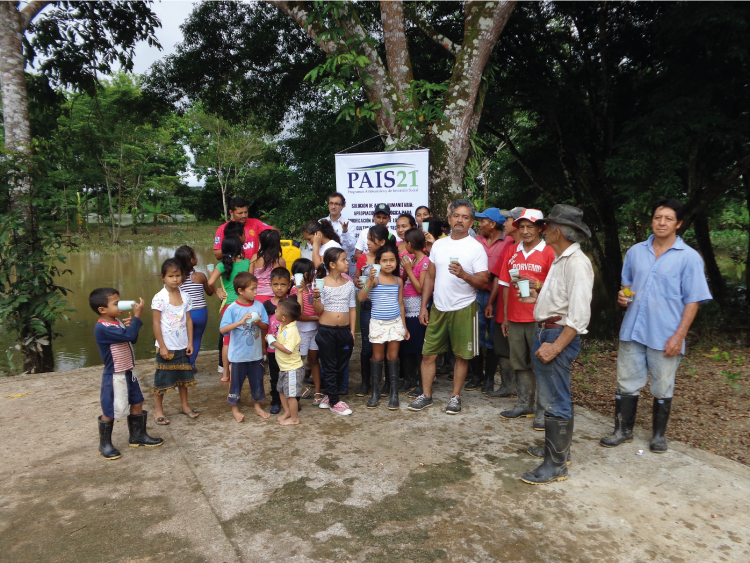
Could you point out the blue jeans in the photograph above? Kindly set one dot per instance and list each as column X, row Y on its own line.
column 486, row 326
column 553, row 379
column 200, row 320
column 635, row 361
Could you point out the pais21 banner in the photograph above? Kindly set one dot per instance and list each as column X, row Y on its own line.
column 400, row 179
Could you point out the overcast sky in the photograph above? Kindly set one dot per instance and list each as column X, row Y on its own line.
column 172, row 14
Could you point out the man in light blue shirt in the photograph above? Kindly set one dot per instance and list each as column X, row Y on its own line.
column 663, row 286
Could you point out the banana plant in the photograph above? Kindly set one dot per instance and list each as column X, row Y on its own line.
column 157, row 210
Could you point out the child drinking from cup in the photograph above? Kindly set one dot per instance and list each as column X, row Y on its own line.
column 264, row 262
column 246, row 320
column 280, row 283
column 414, row 271
column 307, row 324
column 291, row 369
column 387, row 325
column 173, row 328
column 335, row 303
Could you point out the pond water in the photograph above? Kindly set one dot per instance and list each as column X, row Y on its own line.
column 136, row 274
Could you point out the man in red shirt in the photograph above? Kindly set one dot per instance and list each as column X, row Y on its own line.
column 530, row 260
column 253, row 227
column 494, row 242
column 496, row 308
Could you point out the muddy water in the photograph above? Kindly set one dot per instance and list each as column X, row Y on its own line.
column 134, row 275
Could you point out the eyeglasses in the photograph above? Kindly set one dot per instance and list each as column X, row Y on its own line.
column 334, row 203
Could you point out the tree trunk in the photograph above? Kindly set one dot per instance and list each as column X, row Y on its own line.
column 746, row 180
column 715, row 281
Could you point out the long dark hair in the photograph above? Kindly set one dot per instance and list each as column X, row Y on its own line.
column 331, row 255
column 436, row 227
column 303, row 266
column 380, row 232
column 415, row 237
column 184, row 255
column 270, row 247
column 324, row 226
column 410, row 218
column 231, row 247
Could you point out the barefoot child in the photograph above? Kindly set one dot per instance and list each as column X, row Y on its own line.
column 280, row 283
column 173, row 329
column 387, row 323
column 120, row 386
column 246, row 320
column 292, row 372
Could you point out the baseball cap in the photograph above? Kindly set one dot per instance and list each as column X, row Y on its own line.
column 533, row 215
column 515, row 213
column 493, row 214
column 382, row 208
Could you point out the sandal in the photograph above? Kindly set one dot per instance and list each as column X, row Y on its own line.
column 306, row 392
column 190, row 414
column 161, row 421
column 224, row 379
column 316, row 402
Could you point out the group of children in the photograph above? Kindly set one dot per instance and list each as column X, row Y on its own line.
column 268, row 317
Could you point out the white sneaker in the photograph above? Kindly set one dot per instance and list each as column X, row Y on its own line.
column 221, row 369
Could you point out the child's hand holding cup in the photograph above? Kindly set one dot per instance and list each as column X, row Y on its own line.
column 270, row 338
column 210, row 268
column 250, row 318
column 298, row 279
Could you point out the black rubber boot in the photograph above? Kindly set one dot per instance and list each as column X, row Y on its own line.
column 558, row 434
column 508, row 386
column 525, row 405
column 449, row 362
column 477, row 373
column 538, row 451
column 538, row 415
column 376, row 369
column 106, row 449
column 385, row 390
column 393, row 378
column 490, row 367
column 364, row 387
column 626, row 407
column 409, row 361
column 417, row 391
column 138, row 435
column 662, row 407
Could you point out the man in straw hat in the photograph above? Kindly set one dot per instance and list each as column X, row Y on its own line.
column 562, row 312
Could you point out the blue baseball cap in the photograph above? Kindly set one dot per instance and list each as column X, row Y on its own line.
column 493, row 214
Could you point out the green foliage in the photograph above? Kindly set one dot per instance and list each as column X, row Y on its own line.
column 732, row 377
column 31, row 301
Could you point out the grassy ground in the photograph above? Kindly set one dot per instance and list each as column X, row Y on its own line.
column 711, row 397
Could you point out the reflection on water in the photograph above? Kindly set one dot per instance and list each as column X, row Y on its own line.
column 134, row 275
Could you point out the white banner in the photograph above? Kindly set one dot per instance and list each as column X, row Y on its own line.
column 400, row 179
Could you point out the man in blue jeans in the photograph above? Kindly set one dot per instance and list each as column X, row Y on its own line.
column 562, row 313
column 665, row 285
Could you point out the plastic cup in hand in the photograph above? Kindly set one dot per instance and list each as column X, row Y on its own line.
column 298, row 279
column 210, row 268
column 523, row 287
column 454, row 259
column 270, row 339
column 319, row 284
column 629, row 295
column 363, row 279
column 376, row 267
column 253, row 317
column 125, row 305
column 513, row 274
column 425, row 226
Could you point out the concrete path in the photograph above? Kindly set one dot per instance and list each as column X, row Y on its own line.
column 377, row 486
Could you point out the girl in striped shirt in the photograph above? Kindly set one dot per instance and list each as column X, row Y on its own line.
column 194, row 284
column 387, row 322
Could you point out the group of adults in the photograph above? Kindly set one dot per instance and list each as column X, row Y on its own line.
column 473, row 310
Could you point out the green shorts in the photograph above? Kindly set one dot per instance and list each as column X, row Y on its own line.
column 457, row 329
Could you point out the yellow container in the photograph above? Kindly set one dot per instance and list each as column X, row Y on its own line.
column 290, row 252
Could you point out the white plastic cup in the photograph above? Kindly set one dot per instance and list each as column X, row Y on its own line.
column 376, row 267
column 425, row 226
column 454, row 259
column 125, row 305
column 363, row 279
column 298, row 279
column 253, row 317
column 270, row 338
column 514, row 274
column 210, row 268
column 319, row 283
column 523, row 286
